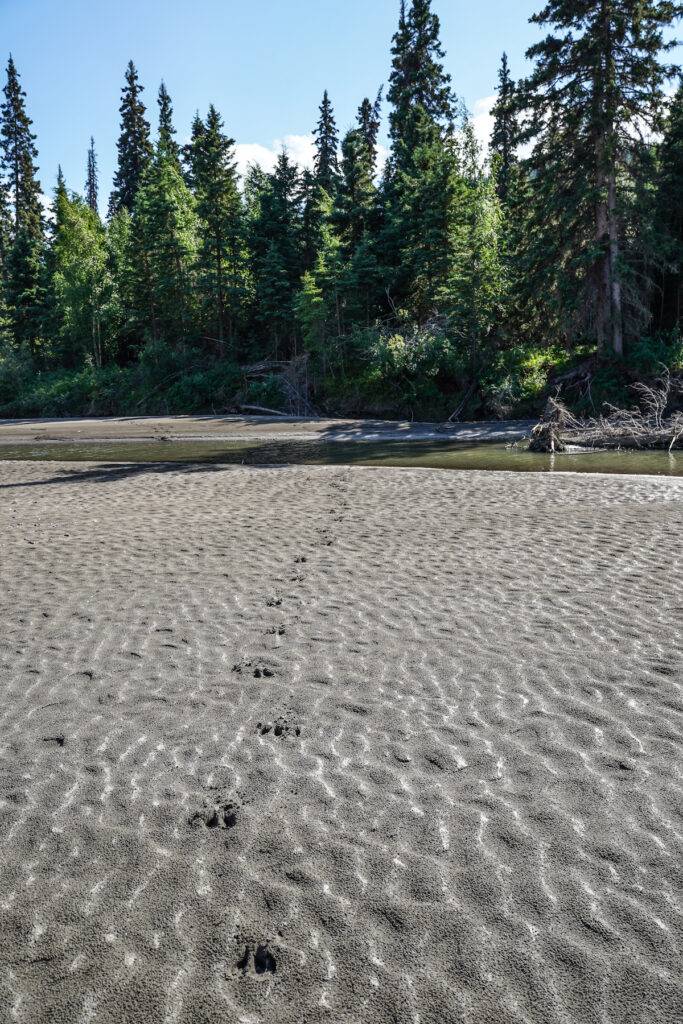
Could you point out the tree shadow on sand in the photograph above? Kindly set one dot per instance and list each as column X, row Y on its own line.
column 259, row 455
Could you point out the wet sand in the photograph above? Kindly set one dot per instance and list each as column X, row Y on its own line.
column 338, row 745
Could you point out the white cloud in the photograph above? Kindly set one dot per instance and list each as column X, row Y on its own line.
column 382, row 157
column 47, row 203
column 300, row 148
column 482, row 120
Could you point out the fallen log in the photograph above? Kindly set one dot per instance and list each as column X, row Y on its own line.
column 646, row 427
column 264, row 409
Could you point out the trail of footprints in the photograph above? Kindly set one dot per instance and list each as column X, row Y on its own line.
column 221, row 808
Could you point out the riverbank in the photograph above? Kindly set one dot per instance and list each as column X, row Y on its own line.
column 238, row 428
column 338, row 744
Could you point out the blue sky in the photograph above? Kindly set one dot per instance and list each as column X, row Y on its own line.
column 264, row 63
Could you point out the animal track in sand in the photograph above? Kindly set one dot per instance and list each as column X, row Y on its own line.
column 280, row 727
column 59, row 740
column 259, row 671
column 217, row 815
column 258, row 961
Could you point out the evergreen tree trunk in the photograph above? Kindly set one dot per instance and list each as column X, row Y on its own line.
column 602, row 270
column 616, row 315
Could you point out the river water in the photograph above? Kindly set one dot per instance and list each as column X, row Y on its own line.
column 436, row 454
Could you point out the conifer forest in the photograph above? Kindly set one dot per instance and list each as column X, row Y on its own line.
column 444, row 280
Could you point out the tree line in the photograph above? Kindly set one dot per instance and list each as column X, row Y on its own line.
column 449, row 278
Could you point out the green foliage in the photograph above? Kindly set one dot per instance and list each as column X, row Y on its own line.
column 91, row 182
column 134, row 147
column 325, row 134
column 411, row 372
column 222, row 258
column 81, row 282
column 450, row 282
column 162, row 382
column 515, row 381
column 668, row 296
column 311, row 312
column 23, row 241
column 505, row 132
column 597, row 82
column 164, row 240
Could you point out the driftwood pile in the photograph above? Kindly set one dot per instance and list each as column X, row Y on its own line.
column 292, row 377
column 644, row 427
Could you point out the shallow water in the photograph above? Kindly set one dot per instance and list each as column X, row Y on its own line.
column 431, row 454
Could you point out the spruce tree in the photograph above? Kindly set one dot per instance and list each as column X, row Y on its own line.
column 668, row 305
column 5, row 245
column 358, row 217
column 221, row 257
column 420, row 186
column 357, row 195
column 277, row 258
column 325, row 160
column 191, row 149
column 164, row 239
column 505, row 130
column 24, row 276
column 419, row 89
column 311, row 226
column 166, row 136
column 597, row 83
column 51, row 317
column 18, row 153
column 369, row 122
column 134, row 147
column 91, row 184
column 125, row 326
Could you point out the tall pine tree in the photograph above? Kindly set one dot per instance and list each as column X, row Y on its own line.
column 326, row 160
column 505, row 130
column 369, row 121
column 420, row 187
column 164, row 239
column 276, row 252
column 5, row 244
column 420, row 92
column 134, row 147
column 669, row 298
column 24, row 280
column 91, row 182
column 596, row 85
column 221, row 257
column 166, row 137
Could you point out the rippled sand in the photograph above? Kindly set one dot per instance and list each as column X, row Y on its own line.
column 338, row 745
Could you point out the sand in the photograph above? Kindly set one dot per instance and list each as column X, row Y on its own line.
column 254, row 428
column 338, row 745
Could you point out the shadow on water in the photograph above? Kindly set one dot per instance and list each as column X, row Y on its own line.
column 130, row 458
